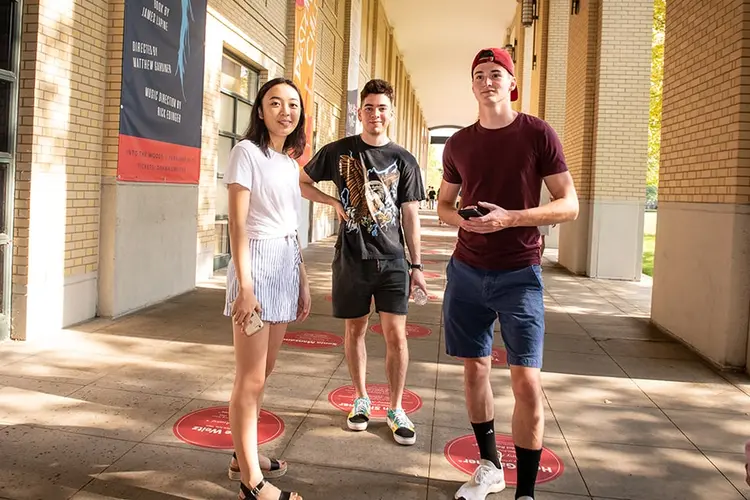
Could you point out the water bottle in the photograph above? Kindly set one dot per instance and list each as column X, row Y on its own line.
column 420, row 298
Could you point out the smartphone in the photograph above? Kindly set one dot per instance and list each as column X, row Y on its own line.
column 254, row 324
column 469, row 212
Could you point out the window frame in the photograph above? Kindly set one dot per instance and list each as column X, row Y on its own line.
column 7, row 159
column 221, row 260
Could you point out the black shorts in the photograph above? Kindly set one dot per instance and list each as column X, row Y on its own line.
column 356, row 281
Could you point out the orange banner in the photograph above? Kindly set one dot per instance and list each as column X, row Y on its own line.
column 146, row 160
column 305, row 45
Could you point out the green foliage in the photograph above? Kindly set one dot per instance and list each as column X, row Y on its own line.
column 434, row 173
column 649, row 245
column 657, row 77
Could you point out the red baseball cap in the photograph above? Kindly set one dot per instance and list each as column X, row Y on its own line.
column 498, row 56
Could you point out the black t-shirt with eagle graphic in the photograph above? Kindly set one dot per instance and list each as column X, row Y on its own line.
column 372, row 183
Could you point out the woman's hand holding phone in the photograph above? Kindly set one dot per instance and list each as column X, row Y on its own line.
column 246, row 309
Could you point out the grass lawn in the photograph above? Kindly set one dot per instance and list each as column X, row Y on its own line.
column 649, row 241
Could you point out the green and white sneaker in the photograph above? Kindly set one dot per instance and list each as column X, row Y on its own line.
column 402, row 427
column 359, row 417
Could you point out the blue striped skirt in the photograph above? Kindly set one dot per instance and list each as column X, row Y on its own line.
column 274, row 265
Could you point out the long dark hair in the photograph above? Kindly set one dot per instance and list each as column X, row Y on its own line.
column 257, row 132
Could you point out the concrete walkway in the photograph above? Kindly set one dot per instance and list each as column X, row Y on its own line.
column 106, row 410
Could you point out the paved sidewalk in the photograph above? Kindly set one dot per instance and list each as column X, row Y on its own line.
column 630, row 414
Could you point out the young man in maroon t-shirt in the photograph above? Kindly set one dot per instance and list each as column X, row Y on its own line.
column 499, row 164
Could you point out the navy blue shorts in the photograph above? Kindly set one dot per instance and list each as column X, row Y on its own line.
column 475, row 298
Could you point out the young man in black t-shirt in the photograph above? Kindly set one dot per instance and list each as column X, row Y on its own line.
column 378, row 184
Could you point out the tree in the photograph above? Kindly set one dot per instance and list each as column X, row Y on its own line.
column 434, row 172
column 657, row 78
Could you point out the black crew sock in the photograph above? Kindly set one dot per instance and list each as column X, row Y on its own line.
column 485, row 434
column 528, row 466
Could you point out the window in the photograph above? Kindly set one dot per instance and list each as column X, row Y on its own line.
column 8, row 12
column 239, row 88
column 6, row 97
column 9, row 50
column 7, row 33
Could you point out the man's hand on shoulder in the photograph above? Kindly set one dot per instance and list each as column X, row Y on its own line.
column 496, row 220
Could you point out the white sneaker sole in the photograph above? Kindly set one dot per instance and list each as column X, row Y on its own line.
column 495, row 488
column 405, row 441
column 401, row 440
column 356, row 426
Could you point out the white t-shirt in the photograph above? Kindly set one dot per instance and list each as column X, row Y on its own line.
column 275, row 197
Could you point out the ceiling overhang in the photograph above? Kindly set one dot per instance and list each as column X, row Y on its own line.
column 438, row 40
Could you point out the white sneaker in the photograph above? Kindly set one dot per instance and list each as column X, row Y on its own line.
column 486, row 479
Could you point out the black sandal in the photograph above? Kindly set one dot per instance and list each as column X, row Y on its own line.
column 252, row 494
column 277, row 470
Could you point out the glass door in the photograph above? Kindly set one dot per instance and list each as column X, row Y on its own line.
column 10, row 24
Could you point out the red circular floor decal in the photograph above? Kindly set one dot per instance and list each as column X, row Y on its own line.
column 343, row 398
column 432, row 262
column 312, row 339
column 463, row 454
column 209, row 428
column 329, row 298
column 499, row 357
column 431, row 274
column 412, row 330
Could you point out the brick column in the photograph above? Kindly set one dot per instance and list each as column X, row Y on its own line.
column 352, row 41
column 61, row 108
column 555, row 61
column 701, row 288
column 606, row 136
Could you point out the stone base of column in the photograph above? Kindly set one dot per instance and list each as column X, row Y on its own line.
column 616, row 240
column 701, row 291
column 148, row 247
column 606, row 241
column 573, row 242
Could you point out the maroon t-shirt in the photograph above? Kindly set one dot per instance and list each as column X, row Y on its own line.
column 504, row 167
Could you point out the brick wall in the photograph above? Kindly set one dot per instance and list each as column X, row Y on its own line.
column 262, row 22
column 556, row 64
column 539, row 98
column 382, row 29
column 622, row 106
column 367, row 38
column 518, row 36
column 207, row 187
column 581, row 85
column 704, row 130
column 330, row 88
column 329, row 65
column 113, row 88
column 61, row 121
column 60, row 149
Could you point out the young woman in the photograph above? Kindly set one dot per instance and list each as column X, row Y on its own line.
column 266, row 275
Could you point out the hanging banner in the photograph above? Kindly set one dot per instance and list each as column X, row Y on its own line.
column 162, row 91
column 305, row 45
column 352, row 85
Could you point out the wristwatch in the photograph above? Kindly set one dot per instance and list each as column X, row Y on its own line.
column 417, row 266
